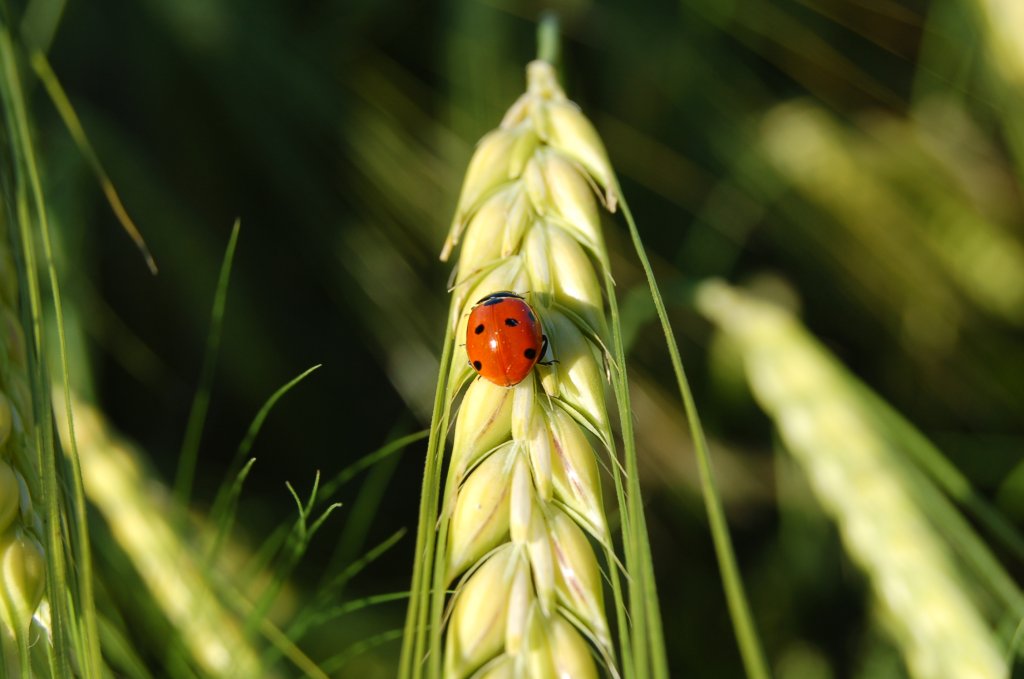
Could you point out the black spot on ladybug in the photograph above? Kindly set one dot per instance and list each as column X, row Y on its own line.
column 530, row 353
column 479, row 329
column 530, row 314
column 511, row 322
column 477, row 365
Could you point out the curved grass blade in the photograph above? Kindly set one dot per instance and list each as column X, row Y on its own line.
column 74, row 125
column 357, row 605
column 225, row 504
column 225, row 514
column 272, row 545
column 332, row 591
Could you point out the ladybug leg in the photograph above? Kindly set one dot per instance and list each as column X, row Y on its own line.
column 544, row 351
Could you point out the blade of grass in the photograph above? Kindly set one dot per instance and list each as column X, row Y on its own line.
column 257, row 423
column 74, row 125
column 414, row 635
column 272, row 544
column 225, row 504
column 201, row 403
column 39, row 22
column 357, row 605
column 367, row 461
column 225, row 515
column 338, row 661
column 308, row 615
column 333, row 590
column 1016, row 646
column 739, row 609
column 120, row 651
column 279, row 639
column 364, row 508
column 299, row 538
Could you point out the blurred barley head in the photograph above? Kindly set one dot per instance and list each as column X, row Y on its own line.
column 22, row 560
column 875, row 497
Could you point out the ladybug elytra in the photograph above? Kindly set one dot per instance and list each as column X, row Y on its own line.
column 504, row 339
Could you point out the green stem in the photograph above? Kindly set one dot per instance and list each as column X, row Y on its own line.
column 414, row 638
column 548, row 45
column 647, row 648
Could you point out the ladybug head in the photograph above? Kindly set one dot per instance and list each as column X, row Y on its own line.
column 496, row 297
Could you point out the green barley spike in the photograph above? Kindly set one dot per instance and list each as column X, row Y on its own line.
column 523, row 491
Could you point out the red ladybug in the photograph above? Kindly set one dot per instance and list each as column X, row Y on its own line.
column 504, row 339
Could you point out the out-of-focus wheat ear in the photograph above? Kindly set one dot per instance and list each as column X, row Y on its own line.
column 10, row 495
column 874, row 496
column 22, row 579
column 137, row 510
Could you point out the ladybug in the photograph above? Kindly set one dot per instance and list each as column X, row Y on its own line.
column 504, row 339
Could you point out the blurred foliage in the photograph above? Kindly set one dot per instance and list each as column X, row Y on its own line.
column 867, row 154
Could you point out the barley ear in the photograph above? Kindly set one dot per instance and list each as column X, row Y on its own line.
column 523, row 508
